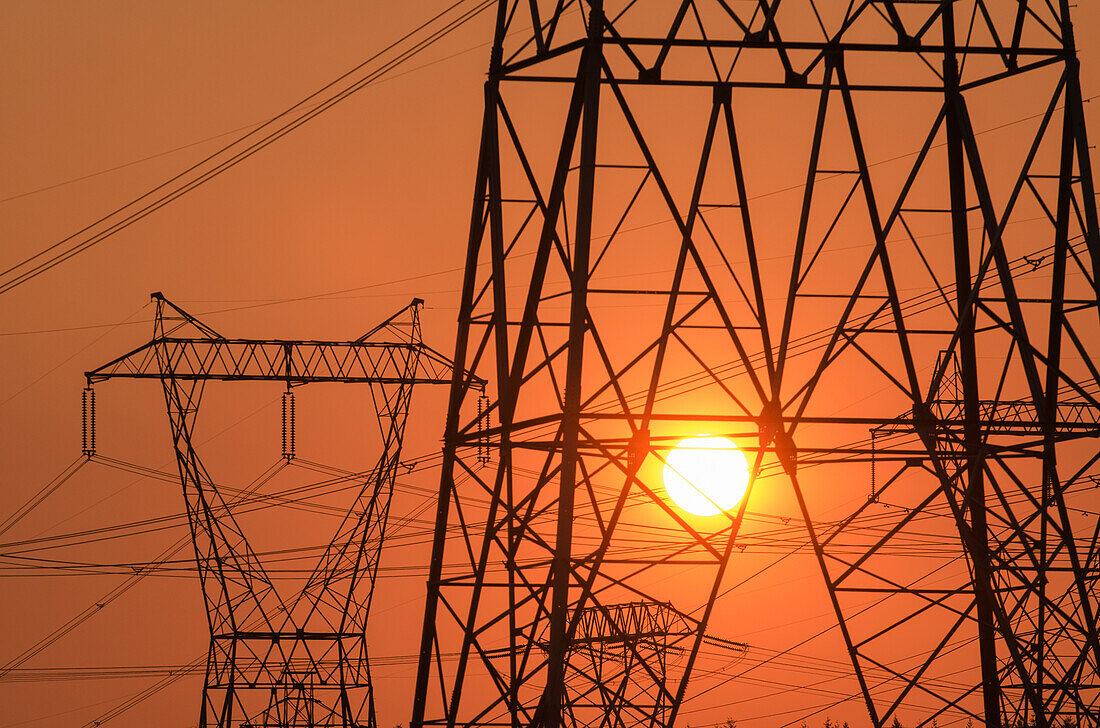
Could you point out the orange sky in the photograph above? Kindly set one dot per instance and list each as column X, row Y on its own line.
column 371, row 200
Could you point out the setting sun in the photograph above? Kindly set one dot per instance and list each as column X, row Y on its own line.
column 706, row 475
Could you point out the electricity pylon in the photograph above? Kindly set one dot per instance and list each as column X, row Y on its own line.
column 284, row 659
column 637, row 273
column 619, row 655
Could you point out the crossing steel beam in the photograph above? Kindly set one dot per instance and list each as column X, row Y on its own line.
column 636, row 274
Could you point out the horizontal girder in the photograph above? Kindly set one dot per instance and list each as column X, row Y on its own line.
column 293, row 362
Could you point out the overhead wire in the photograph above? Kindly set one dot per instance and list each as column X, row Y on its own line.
column 29, row 268
column 244, row 501
column 45, row 492
column 114, row 593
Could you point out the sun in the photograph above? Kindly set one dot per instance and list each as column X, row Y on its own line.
column 706, row 475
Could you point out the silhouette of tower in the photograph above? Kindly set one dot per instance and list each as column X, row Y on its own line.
column 638, row 271
column 276, row 659
column 618, row 658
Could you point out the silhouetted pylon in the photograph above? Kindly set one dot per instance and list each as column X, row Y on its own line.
column 636, row 273
column 275, row 659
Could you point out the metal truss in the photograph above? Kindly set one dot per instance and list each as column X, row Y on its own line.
column 634, row 276
column 277, row 659
column 619, row 657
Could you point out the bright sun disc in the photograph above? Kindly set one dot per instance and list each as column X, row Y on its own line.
column 706, row 475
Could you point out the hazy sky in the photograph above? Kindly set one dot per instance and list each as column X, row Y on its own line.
column 320, row 235
column 366, row 197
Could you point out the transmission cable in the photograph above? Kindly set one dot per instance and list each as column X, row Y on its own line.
column 47, row 490
column 76, row 243
column 118, row 590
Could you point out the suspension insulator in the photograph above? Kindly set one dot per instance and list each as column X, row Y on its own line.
column 288, row 425
column 874, row 496
column 87, row 407
column 482, row 427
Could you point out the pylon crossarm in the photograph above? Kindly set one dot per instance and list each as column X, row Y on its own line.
column 207, row 355
column 295, row 362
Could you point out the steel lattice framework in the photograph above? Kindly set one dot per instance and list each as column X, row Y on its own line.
column 635, row 274
column 618, row 656
column 277, row 659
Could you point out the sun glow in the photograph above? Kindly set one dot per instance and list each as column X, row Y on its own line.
column 706, row 475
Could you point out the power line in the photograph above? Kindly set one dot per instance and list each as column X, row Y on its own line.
column 45, row 492
column 90, row 611
column 180, row 185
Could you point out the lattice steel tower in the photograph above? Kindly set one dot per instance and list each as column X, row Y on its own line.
column 278, row 659
column 640, row 270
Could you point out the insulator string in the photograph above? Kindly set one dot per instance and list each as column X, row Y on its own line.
column 288, row 425
column 874, row 437
column 482, row 427
column 87, row 407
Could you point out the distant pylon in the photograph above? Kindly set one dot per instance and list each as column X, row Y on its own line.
column 669, row 284
column 619, row 657
column 285, row 660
